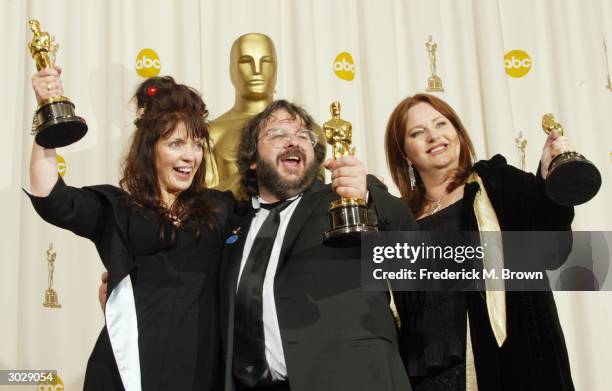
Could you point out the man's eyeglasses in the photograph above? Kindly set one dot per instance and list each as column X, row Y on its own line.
column 279, row 137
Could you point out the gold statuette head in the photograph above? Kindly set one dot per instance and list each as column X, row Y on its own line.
column 549, row 124
column 334, row 109
column 253, row 66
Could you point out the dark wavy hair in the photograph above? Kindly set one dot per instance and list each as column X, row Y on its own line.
column 247, row 148
column 398, row 161
column 161, row 112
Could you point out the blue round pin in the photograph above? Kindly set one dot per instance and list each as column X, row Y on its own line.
column 232, row 239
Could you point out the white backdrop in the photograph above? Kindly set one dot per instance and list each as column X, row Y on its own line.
column 99, row 44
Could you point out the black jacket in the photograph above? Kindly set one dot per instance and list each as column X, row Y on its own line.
column 335, row 335
column 534, row 356
column 101, row 214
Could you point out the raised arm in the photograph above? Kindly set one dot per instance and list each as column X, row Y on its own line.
column 77, row 210
column 43, row 166
column 547, row 214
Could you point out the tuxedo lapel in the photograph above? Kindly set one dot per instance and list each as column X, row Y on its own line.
column 308, row 204
column 232, row 254
column 228, row 278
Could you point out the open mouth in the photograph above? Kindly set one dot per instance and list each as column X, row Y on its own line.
column 292, row 159
column 437, row 149
column 183, row 172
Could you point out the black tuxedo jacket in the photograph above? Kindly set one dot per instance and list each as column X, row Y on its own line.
column 335, row 335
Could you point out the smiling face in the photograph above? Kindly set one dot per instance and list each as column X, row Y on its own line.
column 287, row 169
column 253, row 66
column 431, row 141
column 177, row 158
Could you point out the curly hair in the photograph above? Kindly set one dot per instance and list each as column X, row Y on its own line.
column 163, row 105
column 247, row 147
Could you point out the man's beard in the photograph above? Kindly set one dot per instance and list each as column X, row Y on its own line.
column 269, row 177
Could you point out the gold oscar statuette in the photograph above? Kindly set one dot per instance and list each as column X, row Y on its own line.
column 572, row 179
column 434, row 83
column 51, row 299
column 348, row 217
column 55, row 123
column 521, row 144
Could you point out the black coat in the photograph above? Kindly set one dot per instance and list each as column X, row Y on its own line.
column 534, row 356
column 101, row 214
column 335, row 335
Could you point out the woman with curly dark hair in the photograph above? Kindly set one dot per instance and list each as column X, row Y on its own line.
column 159, row 235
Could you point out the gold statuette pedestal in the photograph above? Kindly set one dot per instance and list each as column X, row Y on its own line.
column 572, row 179
column 348, row 217
column 51, row 299
column 55, row 123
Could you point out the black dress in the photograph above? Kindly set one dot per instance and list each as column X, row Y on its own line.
column 175, row 290
column 174, row 278
column 434, row 324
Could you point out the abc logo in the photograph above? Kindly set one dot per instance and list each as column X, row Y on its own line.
column 61, row 165
column 147, row 63
column 54, row 385
column 517, row 63
column 344, row 67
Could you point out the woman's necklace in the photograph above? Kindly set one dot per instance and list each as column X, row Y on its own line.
column 174, row 219
column 437, row 204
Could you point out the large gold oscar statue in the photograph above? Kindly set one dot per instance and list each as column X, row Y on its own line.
column 253, row 67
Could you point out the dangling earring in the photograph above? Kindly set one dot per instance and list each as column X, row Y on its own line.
column 411, row 175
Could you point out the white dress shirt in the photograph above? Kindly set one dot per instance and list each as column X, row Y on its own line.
column 274, row 346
